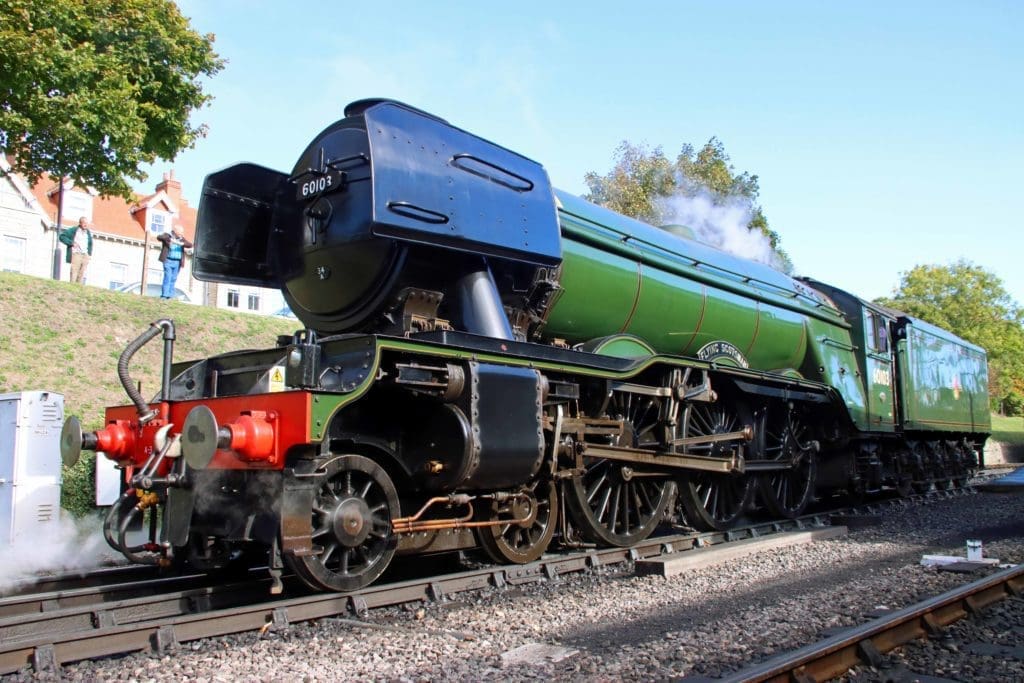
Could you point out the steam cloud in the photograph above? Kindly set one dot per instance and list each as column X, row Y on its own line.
column 719, row 224
column 71, row 545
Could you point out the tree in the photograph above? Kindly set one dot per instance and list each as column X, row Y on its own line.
column 92, row 89
column 643, row 182
column 972, row 303
column 640, row 176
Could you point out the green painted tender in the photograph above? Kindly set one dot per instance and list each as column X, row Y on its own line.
column 943, row 380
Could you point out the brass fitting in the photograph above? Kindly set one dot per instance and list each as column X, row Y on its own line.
column 147, row 499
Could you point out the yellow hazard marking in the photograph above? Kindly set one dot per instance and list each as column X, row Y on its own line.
column 276, row 378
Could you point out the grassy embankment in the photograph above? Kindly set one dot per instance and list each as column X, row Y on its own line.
column 1008, row 430
column 56, row 336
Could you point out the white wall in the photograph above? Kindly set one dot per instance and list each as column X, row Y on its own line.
column 25, row 245
column 28, row 246
column 268, row 301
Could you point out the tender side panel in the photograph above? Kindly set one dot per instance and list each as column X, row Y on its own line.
column 944, row 380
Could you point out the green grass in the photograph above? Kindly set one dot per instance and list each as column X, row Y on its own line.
column 57, row 336
column 1008, row 430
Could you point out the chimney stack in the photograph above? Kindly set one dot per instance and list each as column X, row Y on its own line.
column 172, row 187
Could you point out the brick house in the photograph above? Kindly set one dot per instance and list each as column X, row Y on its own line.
column 125, row 249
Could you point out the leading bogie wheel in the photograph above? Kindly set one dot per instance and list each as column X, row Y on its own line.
column 353, row 506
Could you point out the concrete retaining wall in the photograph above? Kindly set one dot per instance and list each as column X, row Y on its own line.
column 998, row 453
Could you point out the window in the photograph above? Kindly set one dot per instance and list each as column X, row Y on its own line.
column 254, row 302
column 118, row 275
column 76, row 205
column 879, row 332
column 158, row 222
column 13, row 257
column 232, row 298
column 153, row 275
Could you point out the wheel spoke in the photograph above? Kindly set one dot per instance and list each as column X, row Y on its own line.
column 325, row 556
column 595, row 487
column 603, row 507
column 615, row 508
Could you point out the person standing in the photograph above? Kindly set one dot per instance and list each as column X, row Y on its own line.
column 172, row 251
column 78, row 239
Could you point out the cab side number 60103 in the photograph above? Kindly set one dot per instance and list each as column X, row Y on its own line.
column 330, row 181
column 316, row 185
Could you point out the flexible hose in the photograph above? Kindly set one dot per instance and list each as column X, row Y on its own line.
column 109, row 520
column 130, row 551
column 112, row 522
column 145, row 414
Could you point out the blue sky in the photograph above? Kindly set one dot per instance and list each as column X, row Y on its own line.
column 884, row 134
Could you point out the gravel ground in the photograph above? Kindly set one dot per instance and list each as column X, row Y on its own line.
column 610, row 624
column 985, row 648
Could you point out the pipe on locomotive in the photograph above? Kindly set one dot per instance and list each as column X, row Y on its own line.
column 115, row 439
column 479, row 305
column 146, row 414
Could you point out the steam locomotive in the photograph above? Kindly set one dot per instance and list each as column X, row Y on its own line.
column 488, row 362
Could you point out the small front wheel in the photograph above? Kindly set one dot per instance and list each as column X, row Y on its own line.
column 354, row 504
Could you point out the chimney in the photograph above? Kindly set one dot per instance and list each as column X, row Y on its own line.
column 172, row 187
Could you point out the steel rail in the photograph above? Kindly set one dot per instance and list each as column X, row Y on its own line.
column 84, row 628
column 836, row 655
column 60, row 598
column 46, row 583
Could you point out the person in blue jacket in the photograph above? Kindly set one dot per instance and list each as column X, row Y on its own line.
column 172, row 252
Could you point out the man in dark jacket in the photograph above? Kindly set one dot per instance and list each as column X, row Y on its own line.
column 78, row 239
column 172, row 252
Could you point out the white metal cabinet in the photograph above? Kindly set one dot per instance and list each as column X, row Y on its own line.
column 30, row 465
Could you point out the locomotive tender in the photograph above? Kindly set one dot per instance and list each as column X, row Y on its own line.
column 486, row 361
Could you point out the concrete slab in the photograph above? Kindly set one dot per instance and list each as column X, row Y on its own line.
column 944, row 560
column 677, row 563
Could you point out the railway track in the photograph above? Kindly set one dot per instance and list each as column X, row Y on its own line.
column 51, row 628
column 866, row 644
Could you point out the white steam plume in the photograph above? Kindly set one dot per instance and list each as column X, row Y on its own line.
column 70, row 545
column 722, row 225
